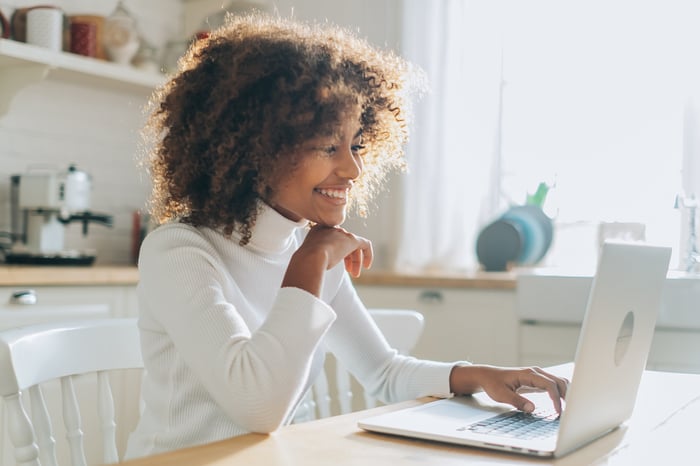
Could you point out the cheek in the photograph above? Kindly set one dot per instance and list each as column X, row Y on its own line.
column 292, row 189
column 312, row 172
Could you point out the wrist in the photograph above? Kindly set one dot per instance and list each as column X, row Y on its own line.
column 466, row 379
column 306, row 271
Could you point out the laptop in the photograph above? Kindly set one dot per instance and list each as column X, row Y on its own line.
column 611, row 355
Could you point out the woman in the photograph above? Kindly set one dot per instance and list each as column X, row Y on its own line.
column 259, row 144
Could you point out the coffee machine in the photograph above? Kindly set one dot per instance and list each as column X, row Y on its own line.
column 43, row 202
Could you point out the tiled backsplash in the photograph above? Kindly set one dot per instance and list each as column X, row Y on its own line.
column 55, row 124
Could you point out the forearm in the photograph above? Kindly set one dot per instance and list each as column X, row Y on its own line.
column 270, row 367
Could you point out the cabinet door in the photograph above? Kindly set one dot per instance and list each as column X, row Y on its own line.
column 675, row 350
column 460, row 324
column 547, row 345
column 544, row 344
column 64, row 302
column 76, row 302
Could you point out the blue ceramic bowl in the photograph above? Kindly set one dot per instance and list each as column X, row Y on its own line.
column 537, row 231
column 522, row 235
column 499, row 244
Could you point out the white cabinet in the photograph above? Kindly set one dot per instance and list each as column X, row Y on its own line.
column 552, row 305
column 70, row 302
column 56, row 302
column 477, row 325
column 675, row 350
column 545, row 343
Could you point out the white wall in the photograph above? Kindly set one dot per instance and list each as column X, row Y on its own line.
column 58, row 123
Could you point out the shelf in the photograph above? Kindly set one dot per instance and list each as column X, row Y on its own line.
column 23, row 64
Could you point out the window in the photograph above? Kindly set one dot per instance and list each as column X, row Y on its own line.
column 596, row 98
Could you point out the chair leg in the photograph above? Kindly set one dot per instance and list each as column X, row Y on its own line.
column 21, row 433
column 105, row 410
column 343, row 382
column 71, row 419
column 42, row 427
column 306, row 409
column 369, row 401
column 322, row 396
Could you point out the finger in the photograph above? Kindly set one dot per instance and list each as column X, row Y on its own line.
column 525, row 405
column 563, row 386
column 562, row 382
column 368, row 255
column 362, row 256
column 357, row 262
column 349, row 265
column 528, row 389
column 534, row 378
column 353, row 262
column 508, row 394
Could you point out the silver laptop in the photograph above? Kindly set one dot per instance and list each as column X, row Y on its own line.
column 612, row 351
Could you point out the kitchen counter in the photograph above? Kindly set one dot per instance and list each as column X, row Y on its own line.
column 22, row 275
column 477, row 280
column 14, row 275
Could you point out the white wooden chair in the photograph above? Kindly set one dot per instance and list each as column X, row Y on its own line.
column 36, row 354
column 401, row 327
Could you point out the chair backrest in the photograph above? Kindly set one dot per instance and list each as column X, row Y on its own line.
column 401, row 327
column 37, row 354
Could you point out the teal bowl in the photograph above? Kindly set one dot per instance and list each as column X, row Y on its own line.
column 499, row 244
column 537, row 230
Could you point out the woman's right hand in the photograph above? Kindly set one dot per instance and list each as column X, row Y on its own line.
column 323, row 248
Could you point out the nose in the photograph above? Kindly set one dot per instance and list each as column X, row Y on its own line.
column 350, row 165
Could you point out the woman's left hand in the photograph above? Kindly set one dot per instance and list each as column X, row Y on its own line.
column 505, row 385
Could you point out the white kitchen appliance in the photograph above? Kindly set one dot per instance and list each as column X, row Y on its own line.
column 43, row 203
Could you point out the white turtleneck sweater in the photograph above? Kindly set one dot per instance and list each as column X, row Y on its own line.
column 228, row 351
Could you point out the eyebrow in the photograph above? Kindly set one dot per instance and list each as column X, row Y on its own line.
column 357, row 134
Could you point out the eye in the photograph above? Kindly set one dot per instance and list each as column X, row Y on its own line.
column 329, row 150
column 356, row 148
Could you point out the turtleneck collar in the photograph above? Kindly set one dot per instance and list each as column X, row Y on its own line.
column 273, row 232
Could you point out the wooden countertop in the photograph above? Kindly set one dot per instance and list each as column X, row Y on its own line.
column 22, row 275
column 441, row 279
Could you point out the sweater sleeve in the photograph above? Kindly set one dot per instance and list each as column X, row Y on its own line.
column 384, row 374
column 255, row 377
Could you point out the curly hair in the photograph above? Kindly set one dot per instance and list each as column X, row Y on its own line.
column 225, row 127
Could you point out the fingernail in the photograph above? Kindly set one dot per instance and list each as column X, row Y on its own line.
column 529, row 407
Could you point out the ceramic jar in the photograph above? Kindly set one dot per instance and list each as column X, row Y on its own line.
column 121, row 37
column 522, row 236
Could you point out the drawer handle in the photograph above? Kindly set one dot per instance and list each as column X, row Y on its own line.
column 23, row 297
column 430, row 297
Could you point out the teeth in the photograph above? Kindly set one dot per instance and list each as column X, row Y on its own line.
column 334, row 193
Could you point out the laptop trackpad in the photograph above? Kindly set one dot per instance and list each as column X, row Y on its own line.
column 443, row 416
column 467, row 408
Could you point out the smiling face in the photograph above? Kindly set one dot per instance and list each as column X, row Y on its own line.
column 317, row 188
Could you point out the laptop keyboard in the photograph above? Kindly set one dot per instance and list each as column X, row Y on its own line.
column 517, row 424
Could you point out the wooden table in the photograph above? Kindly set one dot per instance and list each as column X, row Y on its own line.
column 662, row 430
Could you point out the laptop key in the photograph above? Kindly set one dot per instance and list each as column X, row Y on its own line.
column 518, row 424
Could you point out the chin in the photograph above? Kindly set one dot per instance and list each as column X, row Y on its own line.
column 330, row 222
